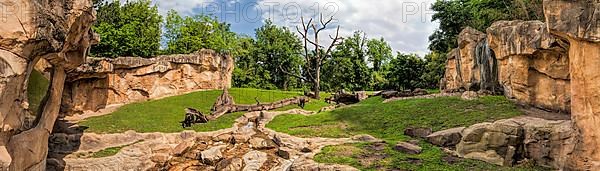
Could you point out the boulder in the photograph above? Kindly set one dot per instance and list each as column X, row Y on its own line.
column 366, row 138
column 417, row 132
column 182, row 148
column 445, row 138
column 254, row 160
column 388, row 94
column 469, row 95
column 261, row 144
column 283, row 153
column 507, row 141
column 160, row 158
column 213, row 155
column 230, row 164
column 408, row 148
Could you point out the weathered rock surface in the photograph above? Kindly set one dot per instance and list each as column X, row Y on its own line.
column 417, row 132
column 408, row 148
column 529, row 64
column 199, row 150
column 445, row 138
column 56, row 31
column 533, row 64
column 101, row 82
column 505, row 142
column 579, row 23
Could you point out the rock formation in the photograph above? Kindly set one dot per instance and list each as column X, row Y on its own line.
column 505, row 142
column 101, row 81
column 522, row 57
column 552, row 65
column 56, row 31
column 578, row 23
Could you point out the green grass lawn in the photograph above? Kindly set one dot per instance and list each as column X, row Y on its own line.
column 387, row 121
column 36, row 89
column 164, row 115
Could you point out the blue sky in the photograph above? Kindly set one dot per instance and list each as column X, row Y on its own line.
column 405, row 24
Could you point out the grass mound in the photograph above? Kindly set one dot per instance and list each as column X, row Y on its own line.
column 388, row 121
column 164, row 115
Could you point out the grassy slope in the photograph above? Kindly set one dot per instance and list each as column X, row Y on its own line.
column 387, row 121
column 36, row 89
column 164, row 115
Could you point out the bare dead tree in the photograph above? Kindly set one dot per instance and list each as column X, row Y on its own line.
column 314, row 62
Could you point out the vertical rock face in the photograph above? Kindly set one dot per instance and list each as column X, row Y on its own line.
column 529, row 64
column 57, row 31
column 533, row 64
column 102, row 82
column 579, row 23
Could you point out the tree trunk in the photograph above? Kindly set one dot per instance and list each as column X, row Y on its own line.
column 317, row 85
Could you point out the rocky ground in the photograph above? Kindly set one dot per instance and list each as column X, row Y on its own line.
column 248, row 145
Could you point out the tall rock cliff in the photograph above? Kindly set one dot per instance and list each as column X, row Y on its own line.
column 101, row 82
column 552, row 65
column 57, row 31
column 579, row 23
column 521, row 57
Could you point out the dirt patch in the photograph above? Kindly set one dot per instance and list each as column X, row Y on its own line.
column 539, row 113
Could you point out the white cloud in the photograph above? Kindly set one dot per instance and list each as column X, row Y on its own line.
column 405, row 24
column 184, row 7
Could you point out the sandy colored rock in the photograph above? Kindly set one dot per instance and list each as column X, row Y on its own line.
column 578, row 23
column 102, row 82
column 60, row 33
column 213, row 155
column 445, row 138
column 231, row 164
column 254, row 160
column 504, row 142
column 408, row 148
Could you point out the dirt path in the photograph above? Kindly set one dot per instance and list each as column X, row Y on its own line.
column 248, row 140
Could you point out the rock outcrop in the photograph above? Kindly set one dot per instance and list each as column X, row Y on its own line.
column 533, row 64
column 579, row 23
column 528, row 63
column 552, row 65
column 101, row 81
column 505, row 142
column 56, row 31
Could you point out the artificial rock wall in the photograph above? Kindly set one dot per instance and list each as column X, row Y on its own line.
column 58, row 31
column 552, row 65
column 101, row 81
column 520, row 58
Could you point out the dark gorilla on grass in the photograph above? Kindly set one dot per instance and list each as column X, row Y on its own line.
column 193, row 116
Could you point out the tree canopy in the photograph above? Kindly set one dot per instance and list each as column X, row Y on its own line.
column 130, row 29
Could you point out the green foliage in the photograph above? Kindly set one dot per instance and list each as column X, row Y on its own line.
column 455, row 15
column 406, row 72
column 189, row 34
column 164, row 115
column 434, row 69
column 261, row 62
column 130, row 29
column 379, row 52
column 36, row 89
column 347, row 68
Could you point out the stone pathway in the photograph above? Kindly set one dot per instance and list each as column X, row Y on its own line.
column 247, row 145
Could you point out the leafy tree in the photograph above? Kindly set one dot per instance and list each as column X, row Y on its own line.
column 434, row 69
column 406, row 72
column 188, row 34
column 131, row 29
column 277, row 48
column 455, row 15
column 347, row 68
column 379, row 52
